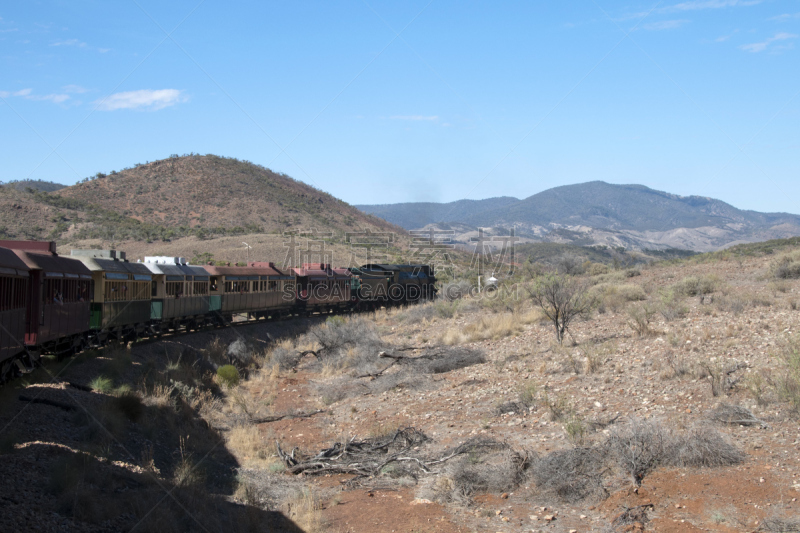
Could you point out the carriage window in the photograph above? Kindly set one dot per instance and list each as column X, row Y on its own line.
column 174, row 289
column 116, row 291
column 12, row 293
column 200, row 288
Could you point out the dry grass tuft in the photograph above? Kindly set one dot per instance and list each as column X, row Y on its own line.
column 495, row 326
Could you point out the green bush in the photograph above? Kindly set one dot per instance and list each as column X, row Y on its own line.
column 228, row 375
column 694, row 286
column 101, row 384
column 788, row 267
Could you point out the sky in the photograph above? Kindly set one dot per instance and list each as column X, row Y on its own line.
column 422, row 100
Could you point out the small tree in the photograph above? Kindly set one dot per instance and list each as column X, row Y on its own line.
column 562, row 299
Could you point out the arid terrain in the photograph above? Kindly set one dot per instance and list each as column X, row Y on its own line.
column 672, row 406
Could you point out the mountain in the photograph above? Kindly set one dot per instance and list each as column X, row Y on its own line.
column 418, row 214
column 631, row 216
column 201, row 196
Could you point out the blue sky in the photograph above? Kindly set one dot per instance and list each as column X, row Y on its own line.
column 383, row 102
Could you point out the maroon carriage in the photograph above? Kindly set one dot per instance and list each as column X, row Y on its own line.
column 323, row 288
column 14, row 277
column 59, row 296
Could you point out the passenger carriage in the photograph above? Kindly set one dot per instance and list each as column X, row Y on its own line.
column 259, row 290
column 14, row 280
column 58, row 299
column 120, row 306
column 179, row 293
column 322, row 288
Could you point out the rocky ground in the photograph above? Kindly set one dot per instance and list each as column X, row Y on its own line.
column 496, row 399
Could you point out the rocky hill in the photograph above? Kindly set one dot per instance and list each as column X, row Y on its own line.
column 631, row 216
column 201, row 196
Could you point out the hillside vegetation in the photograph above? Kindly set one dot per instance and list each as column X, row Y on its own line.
column 192, row 195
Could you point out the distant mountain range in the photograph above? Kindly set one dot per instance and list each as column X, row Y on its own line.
column 630, row 216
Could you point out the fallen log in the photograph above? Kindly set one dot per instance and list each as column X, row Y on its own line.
column 288, row 416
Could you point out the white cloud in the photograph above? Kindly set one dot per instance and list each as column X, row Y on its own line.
column 723, row 38
column 695, row 5
column 414, row 117
column 77, row 89
column 786, row 16
column 760, row 47
column 70, row 42
column 27, row 94
column 55, row 98
column 665, row 25
column 143, row 99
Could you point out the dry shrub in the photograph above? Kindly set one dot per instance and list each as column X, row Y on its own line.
column 635, row 448
column 446, row 360
column 240, row 353
column 482, row 466
column 248, row 445
column 678, row 364
column 731, row 303
column 639, row 317
column 597, row 354
column 559, row 407
column 702, row 446
column 597, row 269
column 305, row 509
column 787, row 267
column 453, row 337
column 698, row 286
column 340, row 344
column 572, row 475
column 284, row 355
column 778, row 286
column 638, row 447
column 719, row 373
column 671, row 307
column 780, row 525
column 494, row 326
column 616, row 297
column 576, row 430
column 788, row 380
column 130, row 405
column 756, row 384
column 726, row 413
column 338, row 333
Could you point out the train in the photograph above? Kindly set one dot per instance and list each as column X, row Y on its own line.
column 60, row 305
